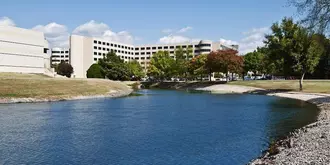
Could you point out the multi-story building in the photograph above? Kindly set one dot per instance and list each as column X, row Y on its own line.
column 86, row 50
column 24, row 51
column 59, row 55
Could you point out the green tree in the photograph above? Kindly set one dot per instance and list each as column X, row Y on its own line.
column 161, row 66
column 136, row 71
column 254, row 61
column 293, row 49
column 65, row 69
column 182, row 57
column 95, row 71
column 197, row 66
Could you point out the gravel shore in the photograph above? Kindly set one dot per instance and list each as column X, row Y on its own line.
column 308, row 145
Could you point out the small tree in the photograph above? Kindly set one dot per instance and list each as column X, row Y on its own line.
column 95, row 71
column 65, row 69
column 162, row 66
column 253, row 61
column 136, row 70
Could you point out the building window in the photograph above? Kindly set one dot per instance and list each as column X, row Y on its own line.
column 125, row 52
column 122, row 47
column 104, row 49
column 165, row 47
column 103, row 43
column 184, row 46
column 136, row 58
column 66, row 56
column 148, row 52
column 116, row 51
column 143, row 48
column 160, row 47
column 66, row 51
column 115, row 45
column 171, row 47
column 136, row 48
column 136, row 53
column 99, row 42
column 95, row 59
column 103, row 54
column 108, row 49
column 99, row 48
column 171, row 52
column 95, row 47
column 111, row 44
column 95, row 53
column 143, row 53
column 108, row 44
column 148, row 58
column 100, row 54
column 142, row 58
column 125, row 47
column 95, row 42
column 148, row 48
column 190, row 46
column 178, row 47
column 125, row 57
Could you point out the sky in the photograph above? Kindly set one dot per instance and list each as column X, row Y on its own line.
column 137, row 22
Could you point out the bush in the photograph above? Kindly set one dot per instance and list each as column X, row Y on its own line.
column 95, row 71
column 64, row 69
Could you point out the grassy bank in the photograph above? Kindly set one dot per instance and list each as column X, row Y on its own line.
column 310, row 86
column 14, row 85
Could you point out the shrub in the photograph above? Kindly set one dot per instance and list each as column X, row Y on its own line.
column 95, row 71
column 64, row 69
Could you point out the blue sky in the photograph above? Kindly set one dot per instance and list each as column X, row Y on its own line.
column 148, row 21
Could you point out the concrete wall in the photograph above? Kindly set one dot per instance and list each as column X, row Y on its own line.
column 22, row 50
column 81, row 55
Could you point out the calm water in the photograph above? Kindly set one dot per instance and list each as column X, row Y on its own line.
column 160, row 127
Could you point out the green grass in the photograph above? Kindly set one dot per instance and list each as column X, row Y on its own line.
column 310, row 86
column 13, row 85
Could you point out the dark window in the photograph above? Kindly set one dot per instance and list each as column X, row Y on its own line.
column 148, row 48
column 136, row 53
column 190, row 46
column 62, row 52
column 66, row 60
column 148, row 57
column 125, row 57
column 125, row 47
column 125, row 52
column 55, row 52
column 171, row 47
column 205, row 50
column 165, row 47
column 108, row 49
column 136, row 58
column 66, row 51
column 103, row 43
column 153, row 52
column 205, row 44
column 153, row 48
column 100, row 54
column 95, row 53
column 172, row 52
column 108, row 44
column 142, row 48
column 95, row 47
column 115, row 45
column 116, row 51
column 104, row 49
column 103, row 54
column 45, row 50
column 184, row 46
column 99, row 42
column 160, row 47
column 99, row 48
column 136, row 48
column 142, row 62
column 95, row 59
column 122, row 47
column 143, row 53
column 177, row 47
column 95, row 42
column 66, row 56
column 142, row 58
column 148, row 52
column 111, row 44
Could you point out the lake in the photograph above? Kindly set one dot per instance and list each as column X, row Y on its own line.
column 160, row 127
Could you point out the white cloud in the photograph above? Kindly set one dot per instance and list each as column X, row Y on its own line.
column 185, row 29
column 167, row 31
column 5, row 21
column 173, row 39
column 102, row 30
column 57, row 35
column 252, row 39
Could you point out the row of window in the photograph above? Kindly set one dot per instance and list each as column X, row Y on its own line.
column 113, row 45
column 60, row 56
column 62, row 52
column 117, row 51
column 165, row 47
column 60, row 60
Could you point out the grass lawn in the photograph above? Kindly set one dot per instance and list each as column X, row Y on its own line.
column 39, row 86
column 310, row 86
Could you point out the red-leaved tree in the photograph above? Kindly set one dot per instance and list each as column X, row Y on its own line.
column 224, row 61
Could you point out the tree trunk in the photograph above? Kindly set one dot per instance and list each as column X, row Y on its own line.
column 301, row 82
column 255, row 75
column 232, row 76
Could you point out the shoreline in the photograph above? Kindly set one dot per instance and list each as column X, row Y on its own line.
column 110, row 94
column 307, row 145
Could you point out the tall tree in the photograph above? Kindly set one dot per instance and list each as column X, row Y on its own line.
column 294, row 48
column 317, row 13
column 182, row 57
column 197, row 66
column 222, row 61
column 136, row 70
column 254, row 61
column 161, row 66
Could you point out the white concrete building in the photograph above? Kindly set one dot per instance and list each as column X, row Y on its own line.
column 24, row 51
column 60, row 54
column 87, row 50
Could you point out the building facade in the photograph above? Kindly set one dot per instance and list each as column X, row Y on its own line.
column 59, row 55
column 24, row 51
column 87, row 50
